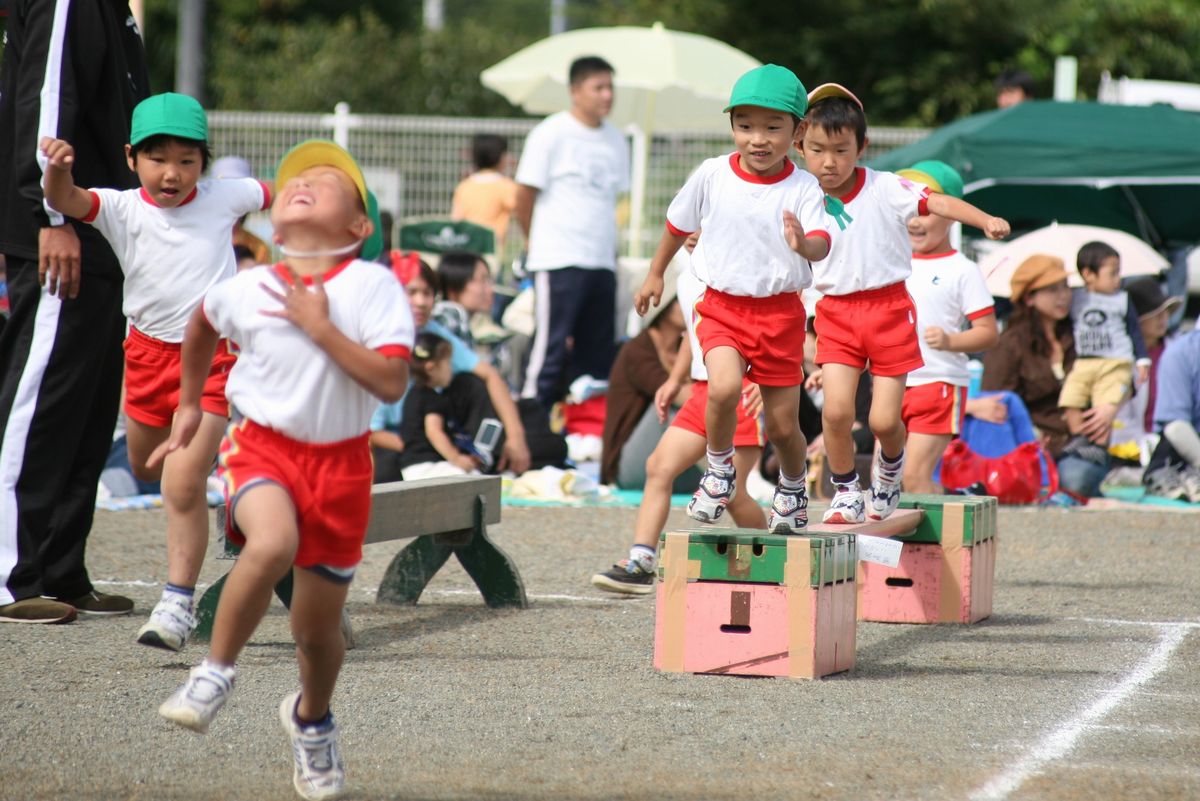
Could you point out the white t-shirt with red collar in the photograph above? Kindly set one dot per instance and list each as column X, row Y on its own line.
column 172, row 256
column 870, row 235
column 949, row 291
column 742, row 249
column 282, row 380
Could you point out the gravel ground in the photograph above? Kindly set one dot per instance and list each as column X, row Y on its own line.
column 1081, row 686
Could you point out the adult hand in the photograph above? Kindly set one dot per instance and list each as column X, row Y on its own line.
column 465, row 462
column 752, row 400
column 307, row 308
column 651, row 292
column 1097, row 422
column 515, row 456
column 990, row 409
column 58, row 260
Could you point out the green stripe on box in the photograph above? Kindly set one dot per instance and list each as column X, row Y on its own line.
column 755, row 557
column 979, row 517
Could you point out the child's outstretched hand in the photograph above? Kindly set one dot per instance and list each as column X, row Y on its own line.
column 793, row 232
column 996, row 228
column 307, row 308
column 183, row 428
column 651, row 292
column 58, row 153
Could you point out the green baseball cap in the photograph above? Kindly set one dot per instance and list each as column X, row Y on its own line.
column 770, row 86
column 373, row 244
column 937, row 175
column 170, row 114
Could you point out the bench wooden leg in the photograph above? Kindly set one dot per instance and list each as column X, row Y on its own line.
column 491, row 569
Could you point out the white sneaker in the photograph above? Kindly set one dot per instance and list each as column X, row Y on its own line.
column 846, row 507
column 319, row 772
column 196, row 703
column 789, row 512
column 170, row 624
column 712, row 496
column 883, row 498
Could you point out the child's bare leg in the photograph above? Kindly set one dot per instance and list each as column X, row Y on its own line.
column 677, row 450
column 887, row 398
column 745, row 510
column 140, row 441
column 726, row 369
column 265, row 513
column 840, row 384
column 317, row 604
column 1074, row 418
column 921, row 455
column 185, row 494
column 781, row 412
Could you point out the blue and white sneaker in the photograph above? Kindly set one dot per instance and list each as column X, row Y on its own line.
column 846, row 506
column 884, row 496
column 196, row 703
column 318, row 774
column 712, row 496
column 789, row 512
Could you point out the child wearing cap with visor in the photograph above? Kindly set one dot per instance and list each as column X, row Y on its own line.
column 866, row 319
column 955, row 316
column 171, row 237
column 762, row 225
column 323, row 337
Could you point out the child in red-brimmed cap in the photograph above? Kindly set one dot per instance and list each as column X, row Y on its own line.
column 171, row 237
column 323, row 337
column 866, row 319
column 762, row 225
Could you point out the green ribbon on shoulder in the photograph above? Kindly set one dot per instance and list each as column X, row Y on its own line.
column 837, row 210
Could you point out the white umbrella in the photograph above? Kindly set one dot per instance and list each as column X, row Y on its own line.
column 664, row 80
column 1064, row 241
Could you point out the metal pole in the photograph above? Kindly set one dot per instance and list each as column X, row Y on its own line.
column 189, row 54
column 558, row 16
column 433, row 15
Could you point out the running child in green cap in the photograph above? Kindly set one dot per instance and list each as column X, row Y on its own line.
column 955, row 316
column 762, row 224
column 866, row 319
column 172, row 238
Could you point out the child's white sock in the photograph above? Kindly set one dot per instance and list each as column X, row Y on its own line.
column 721, row 461
column 644, row 557
column 890, row 469
column 793, row 483
column 175, row 590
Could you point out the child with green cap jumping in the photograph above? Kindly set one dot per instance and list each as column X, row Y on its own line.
column 172, row 238
column 762, row 225
column 866, row 319
column 955, row 316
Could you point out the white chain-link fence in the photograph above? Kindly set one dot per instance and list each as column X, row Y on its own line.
column 413, row 163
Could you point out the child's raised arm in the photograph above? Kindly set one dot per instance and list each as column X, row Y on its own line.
column 953, row 208
column 59, row 187
column 652, row 287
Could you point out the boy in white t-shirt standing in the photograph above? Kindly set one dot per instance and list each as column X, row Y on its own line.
column 323, row 337
column 171, row 237
column 761, row 219
column 955, row 316
column 866, row 318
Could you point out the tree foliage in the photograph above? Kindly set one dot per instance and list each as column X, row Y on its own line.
column 912, row 61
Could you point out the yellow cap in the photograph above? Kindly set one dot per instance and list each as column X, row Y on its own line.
column 320, row 153
column 827, row 90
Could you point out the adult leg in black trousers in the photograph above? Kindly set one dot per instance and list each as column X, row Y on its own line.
column 595, row 326
column 558, row 296
column 59, row 393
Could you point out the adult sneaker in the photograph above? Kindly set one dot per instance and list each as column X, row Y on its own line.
column 1166, row 482
column 789, row 511
column 170, row 624
column 319, row 772
column 626, row 577
column 100, row 604
column 846, row 507
column 37, row 610
column 712, row 496
column 197, row 702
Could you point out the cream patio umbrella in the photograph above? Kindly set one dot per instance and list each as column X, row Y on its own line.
column 665, row 81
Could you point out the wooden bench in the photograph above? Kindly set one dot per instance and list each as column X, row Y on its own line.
column 446, row 516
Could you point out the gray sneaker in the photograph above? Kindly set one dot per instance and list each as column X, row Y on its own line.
column 197, row 702
column 1166, row 482
column 319, row 773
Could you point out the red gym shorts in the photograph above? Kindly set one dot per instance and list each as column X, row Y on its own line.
column 152, row 380
column 876, row 327
column 767, row 332
column 935, row 408
column 330, row 486
column 691, row 417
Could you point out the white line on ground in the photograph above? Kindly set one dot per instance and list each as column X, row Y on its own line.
column 1060, row 741
column 1159, row 624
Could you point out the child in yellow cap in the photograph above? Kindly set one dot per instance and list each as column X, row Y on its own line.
column 866, row 318
column 323, row 337
column 761, row 221
column 171, row 237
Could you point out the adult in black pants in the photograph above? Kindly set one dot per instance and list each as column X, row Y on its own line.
column 60, row 352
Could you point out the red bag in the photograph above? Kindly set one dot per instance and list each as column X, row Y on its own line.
column 1014, row 478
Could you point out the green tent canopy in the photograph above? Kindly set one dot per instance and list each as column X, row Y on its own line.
column 1136, row 168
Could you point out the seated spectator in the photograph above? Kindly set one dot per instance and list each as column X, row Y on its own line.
column 1174, row 469
column 487, row 196
column 1013, row 87
column 631, row 425
column 428, row 425
column 467, row 299
column 1032, row 357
